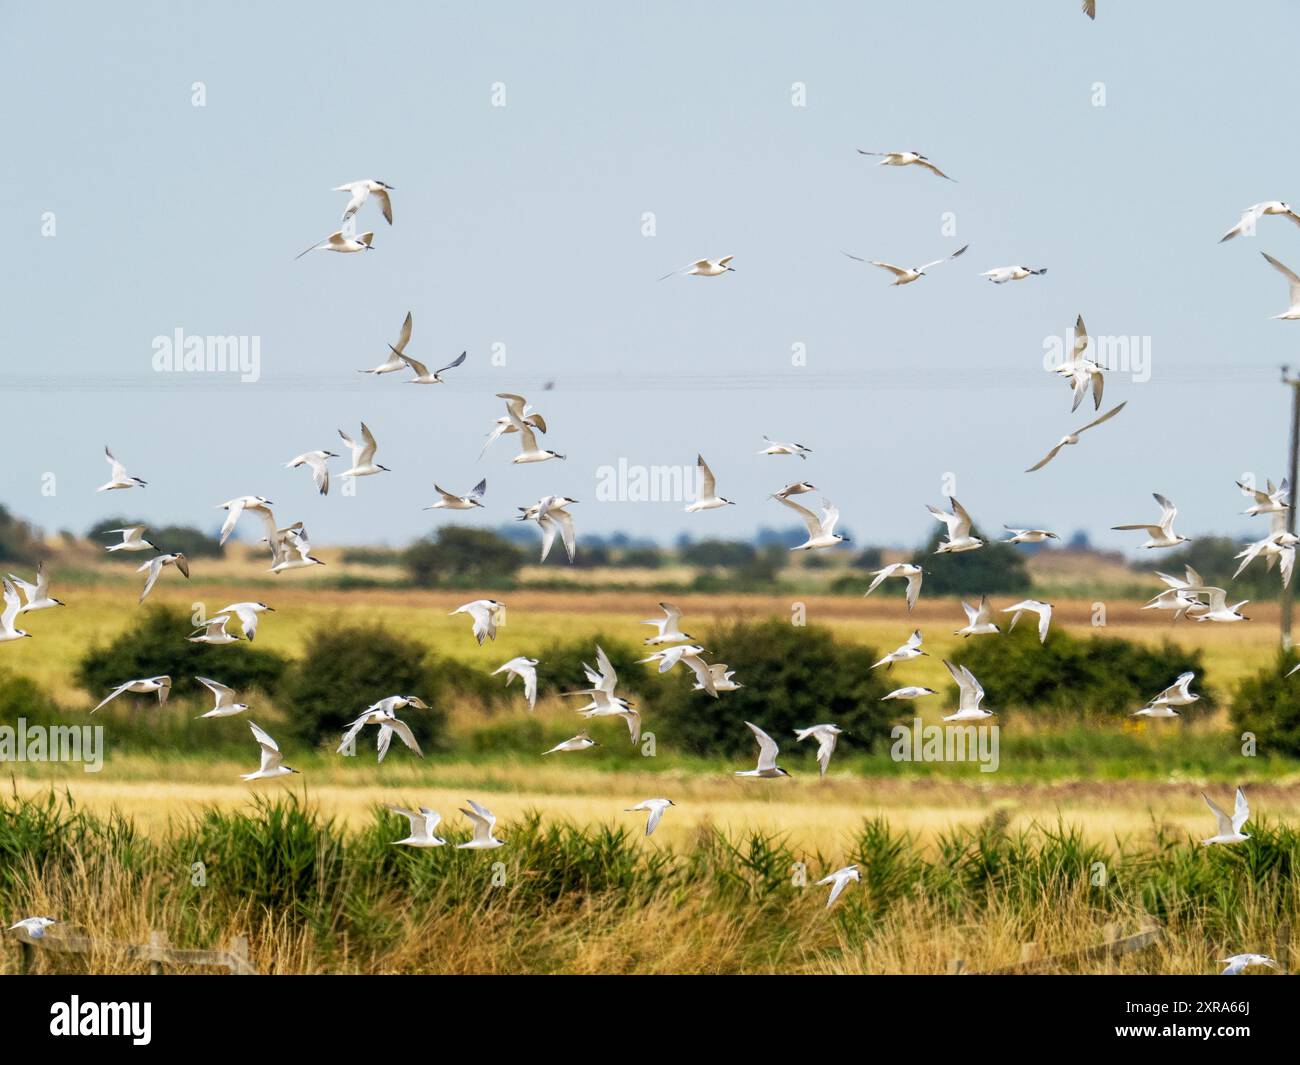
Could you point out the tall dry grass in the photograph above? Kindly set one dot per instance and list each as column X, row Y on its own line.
column 315, row 898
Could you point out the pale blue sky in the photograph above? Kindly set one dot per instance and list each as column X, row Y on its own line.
column 522, row 225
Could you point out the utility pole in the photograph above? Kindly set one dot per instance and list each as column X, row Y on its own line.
column 1287, row 598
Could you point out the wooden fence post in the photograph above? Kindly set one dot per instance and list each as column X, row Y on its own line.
column 26, row 957
column 157, row 946
column 239, row 950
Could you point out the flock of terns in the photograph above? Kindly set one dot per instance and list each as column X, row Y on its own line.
column 291, row 549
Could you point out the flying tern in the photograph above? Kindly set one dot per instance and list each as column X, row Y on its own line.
column 272, row 764
column 422, row 823
column 1073, row 438
column 970, row 693
column 363, row 454
column 36, row 596
column 821, row 531
column 1251, row 215
column 132, row 539
column 1228, row 828
column 1162, row 533
column 914, row 575
column 979, row 619
column 668, row 626
column 553, row 517
column 234, row 508
column 155, row 567
column 484, row 821
column 959, row 529
column 248, row 614
column 777, row 447
column 825, row 735
column 1043, row 610
column 580, row 742
column 905, row 275
column 767, row 754
column 1028, row 536
column 909, row 650
column 425, row 376
column 12, row 607
column 1239, row 963
column 384, row 716
column 704, row 268
column 1002, row 274
column 487, row 615
column 1268, row 500
column 162, row 685
column 912, row 691
column 504, row 425
column 526, row 670
column 1293, row 311
column 316, row 462
column 451, row 501
column 906, row 159
column 120, row 478
column 341, row 242
column 226, row 705
column 360, row 191
column 707, row 498
column 524, row 425
column 839, row 880
column 214, row 631
column 656, row 808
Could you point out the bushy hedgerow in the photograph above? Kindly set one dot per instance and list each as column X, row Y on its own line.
column 460, row 556
column 157, row 644
column 1102, row 676
column 793, row 677
column 1267, row 704
column 193, row 543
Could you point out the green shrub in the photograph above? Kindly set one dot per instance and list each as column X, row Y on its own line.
column 157, row 644
column 793, row 677
column 1103, row 676
column 345, row 668
column 1268, row 704
column 23, row 697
